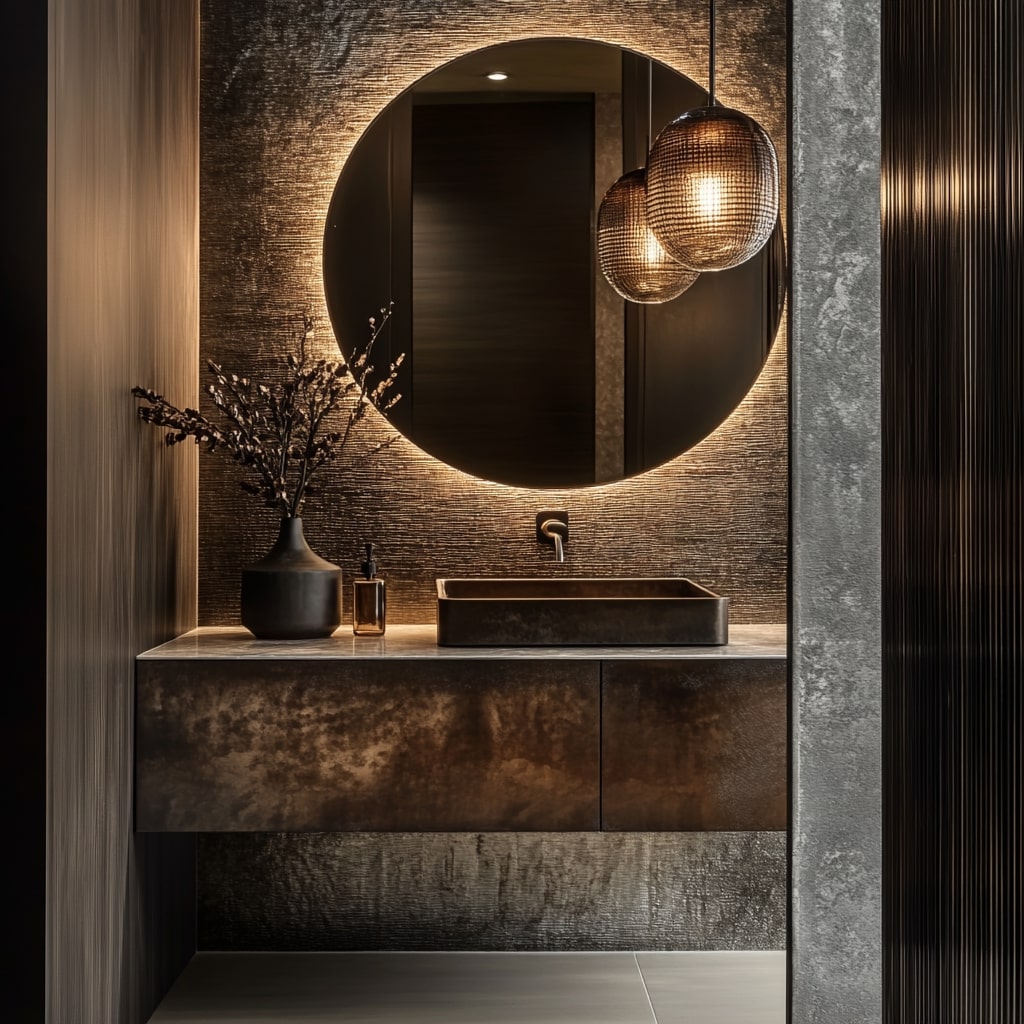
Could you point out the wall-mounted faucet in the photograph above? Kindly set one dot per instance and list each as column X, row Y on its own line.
column 553, row 528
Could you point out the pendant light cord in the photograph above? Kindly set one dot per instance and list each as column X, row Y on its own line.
column 711, row 56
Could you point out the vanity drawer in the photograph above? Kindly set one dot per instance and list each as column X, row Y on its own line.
column 374, row 745
column 694, row 745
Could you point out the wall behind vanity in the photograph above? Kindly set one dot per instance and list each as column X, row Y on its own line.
column 285, row 92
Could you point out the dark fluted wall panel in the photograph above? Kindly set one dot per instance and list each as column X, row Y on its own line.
column 287, row 89
column 121, row 533
column 518, row 891
column 23, row 415
column 953, row 554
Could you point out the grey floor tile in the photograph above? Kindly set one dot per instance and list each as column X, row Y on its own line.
column 408, row 988
column 716, row 987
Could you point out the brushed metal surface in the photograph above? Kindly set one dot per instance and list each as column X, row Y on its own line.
column 493, row 891
column 694, row 745
column 274, row 135
column 121, row 535
column 367, row 745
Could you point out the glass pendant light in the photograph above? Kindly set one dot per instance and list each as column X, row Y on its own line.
column 632, row 260
column 712, row 184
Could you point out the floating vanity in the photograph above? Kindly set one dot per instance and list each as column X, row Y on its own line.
column 398, row 733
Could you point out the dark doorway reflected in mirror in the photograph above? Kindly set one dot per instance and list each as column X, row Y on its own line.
column 472, row 204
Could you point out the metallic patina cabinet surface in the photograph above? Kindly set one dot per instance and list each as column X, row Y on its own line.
column 367, row 745
column 693, row 746
column 400, row 735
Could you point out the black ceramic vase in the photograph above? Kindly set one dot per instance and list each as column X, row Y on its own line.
column 292, row 593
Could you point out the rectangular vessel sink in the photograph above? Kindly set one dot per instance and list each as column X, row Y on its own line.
column 562, row 612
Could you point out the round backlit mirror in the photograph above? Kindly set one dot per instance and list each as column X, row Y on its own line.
column 471, row 203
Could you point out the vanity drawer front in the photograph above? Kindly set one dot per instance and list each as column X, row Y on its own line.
column 694, row 745
column 401, row 745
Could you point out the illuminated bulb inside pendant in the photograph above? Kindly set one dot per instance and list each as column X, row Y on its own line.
column 497, row 76
column 709, row 197
column 654, row 253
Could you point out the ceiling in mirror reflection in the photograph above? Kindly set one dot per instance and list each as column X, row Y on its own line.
column 533, row 65
column 472, row 205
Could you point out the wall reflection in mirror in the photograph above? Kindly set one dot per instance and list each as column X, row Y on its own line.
column 472, row 204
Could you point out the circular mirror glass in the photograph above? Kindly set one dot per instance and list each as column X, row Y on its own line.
column 471, row 203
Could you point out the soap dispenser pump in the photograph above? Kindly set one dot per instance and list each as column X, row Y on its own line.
column 368, row 600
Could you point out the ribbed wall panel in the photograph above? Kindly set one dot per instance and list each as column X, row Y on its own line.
column 953, row 553
column 121, row 509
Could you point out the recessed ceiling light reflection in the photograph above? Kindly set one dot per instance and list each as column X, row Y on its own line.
column 497, row 76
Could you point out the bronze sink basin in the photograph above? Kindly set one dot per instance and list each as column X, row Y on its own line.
column 563, row 612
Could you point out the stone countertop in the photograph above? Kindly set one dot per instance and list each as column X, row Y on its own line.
column 420, row 642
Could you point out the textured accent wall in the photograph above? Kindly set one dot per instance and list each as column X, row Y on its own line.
column 517, row 891
column 835, row 625
column 954, row 511
column 286, row 91
column 121, row 531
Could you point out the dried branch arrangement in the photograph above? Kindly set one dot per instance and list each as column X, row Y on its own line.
column 281, row 433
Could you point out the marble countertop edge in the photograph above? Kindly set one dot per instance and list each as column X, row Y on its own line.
column 420, row 642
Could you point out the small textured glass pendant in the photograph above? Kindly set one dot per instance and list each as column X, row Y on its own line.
column 631, row 258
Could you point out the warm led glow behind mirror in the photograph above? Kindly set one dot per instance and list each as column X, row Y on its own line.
column 473, row 205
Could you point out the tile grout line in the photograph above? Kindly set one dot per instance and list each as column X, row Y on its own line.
column 643, row 981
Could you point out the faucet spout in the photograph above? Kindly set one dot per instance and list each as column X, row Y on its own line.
column 556, row 536
column 554, row 527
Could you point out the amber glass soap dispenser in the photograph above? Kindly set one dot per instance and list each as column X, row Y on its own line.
column 368, row 604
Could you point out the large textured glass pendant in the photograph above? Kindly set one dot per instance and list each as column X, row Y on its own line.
column 632, row 260
column 712, row 188
column 712, row 183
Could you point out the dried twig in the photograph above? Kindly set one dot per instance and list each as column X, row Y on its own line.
column 278, row 433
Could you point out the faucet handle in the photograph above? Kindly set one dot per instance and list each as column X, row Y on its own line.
column 553, row 527
column 548, row 517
